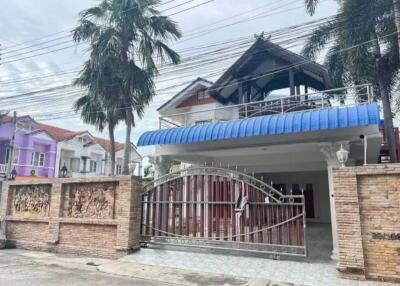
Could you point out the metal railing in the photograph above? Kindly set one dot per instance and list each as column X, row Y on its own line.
column 3, row 170
column 348, row 96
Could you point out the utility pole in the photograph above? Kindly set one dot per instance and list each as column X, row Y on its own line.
column 11, row 148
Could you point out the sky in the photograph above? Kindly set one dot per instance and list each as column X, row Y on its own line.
column 27, row 25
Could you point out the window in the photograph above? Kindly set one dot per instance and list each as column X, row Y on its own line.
column 203, row 94
column 75, row 163
column 93, row 166
column 37, row 159
column 118, row 169
column 83, row 139
column 15, row 157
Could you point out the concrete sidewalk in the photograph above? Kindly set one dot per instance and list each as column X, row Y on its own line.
column 22, row 267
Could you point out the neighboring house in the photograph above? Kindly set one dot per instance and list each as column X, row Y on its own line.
column 35, row 150
column 43, row 150
column 274, row 115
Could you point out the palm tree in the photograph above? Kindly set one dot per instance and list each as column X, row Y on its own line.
column 310, row 6
column 93, row 113
column 131, row 35
column 100, row 106
column 363, row 48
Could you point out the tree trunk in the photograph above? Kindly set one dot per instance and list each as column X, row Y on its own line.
column 385, row 97
column 396, row 5
column 112, row 148
column 127, row 149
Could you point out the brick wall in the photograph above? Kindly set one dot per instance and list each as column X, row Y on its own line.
column 368, row 221
column 94, row 216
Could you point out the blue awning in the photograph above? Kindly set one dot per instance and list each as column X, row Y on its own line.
column 288, row 123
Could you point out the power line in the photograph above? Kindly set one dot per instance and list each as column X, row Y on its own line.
column 297, row 64
column 190, row 8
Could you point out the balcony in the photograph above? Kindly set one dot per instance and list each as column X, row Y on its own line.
column 274, row 104
column 3, row 170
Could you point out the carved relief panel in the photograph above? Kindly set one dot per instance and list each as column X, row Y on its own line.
column 31, row 200
column 89, row 200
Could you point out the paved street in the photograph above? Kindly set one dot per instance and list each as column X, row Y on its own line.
column 20, row 271
column 23, row 268
column 30, row 268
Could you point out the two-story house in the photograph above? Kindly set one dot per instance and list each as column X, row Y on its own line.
column 43, row 150
column 275, row 116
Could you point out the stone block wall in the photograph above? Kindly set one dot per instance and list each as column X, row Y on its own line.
column 368, row 221
column 91, row 216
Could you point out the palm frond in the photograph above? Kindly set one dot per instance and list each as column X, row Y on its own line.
column 319, row 39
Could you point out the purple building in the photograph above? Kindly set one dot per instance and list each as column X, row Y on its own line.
column 35, row 150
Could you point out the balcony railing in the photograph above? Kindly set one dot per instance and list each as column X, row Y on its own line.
column 3, row 170
column 348, row 96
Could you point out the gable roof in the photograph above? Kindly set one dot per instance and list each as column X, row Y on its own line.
column 191, row 85
column 61, row 134
column 263, row 48
column 106, row 144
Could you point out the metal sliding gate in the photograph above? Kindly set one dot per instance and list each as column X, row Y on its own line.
column 210, row 207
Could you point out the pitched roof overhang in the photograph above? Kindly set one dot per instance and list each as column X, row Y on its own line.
column 179, row 96
column 247, row 69
column 270, row 125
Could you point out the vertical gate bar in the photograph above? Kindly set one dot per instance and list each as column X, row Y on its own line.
column 269, row 223
column 260, row 217
column 251, row 214
column 187, row 200
column 173, row 215
column 292, row 224
column 217, row 206
column 202, row 207
column 284, row 229
column 255, row 212
column 225, row 199
column 154, row 208
column 159, row 210
column 301, row 225
column 210, row 206
column 243, row 215
column 233, row 213
column 288, row 228
column 194, row 209
column 278, row 233
column 168, row 207
column 180, row 188
column 297, row 226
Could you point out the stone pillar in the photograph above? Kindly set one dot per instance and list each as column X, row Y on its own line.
column 329, row 151
column 128, row 215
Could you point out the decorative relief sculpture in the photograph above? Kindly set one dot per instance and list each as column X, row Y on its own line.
column 91, row 200
column 31, row 200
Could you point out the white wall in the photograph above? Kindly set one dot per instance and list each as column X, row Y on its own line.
column 318, row 179
column 75, row 149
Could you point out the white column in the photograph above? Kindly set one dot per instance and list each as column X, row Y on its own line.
column 329, row 151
